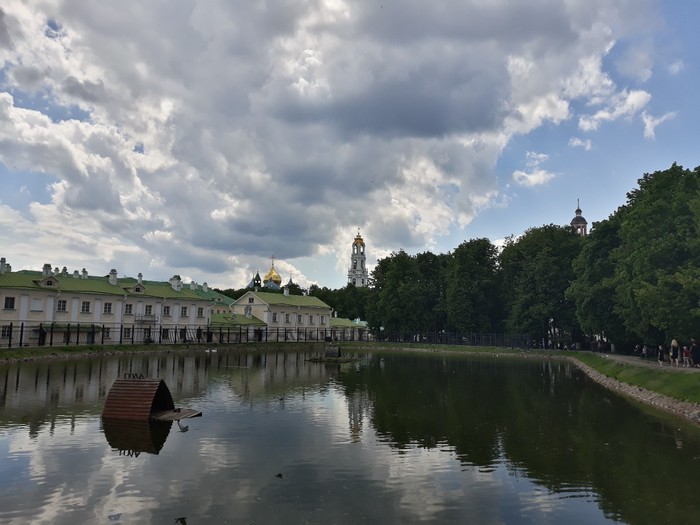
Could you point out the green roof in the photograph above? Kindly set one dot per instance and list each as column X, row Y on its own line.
column 344, row 322
column 231, row 319
column 287, row 300
column 29, row 280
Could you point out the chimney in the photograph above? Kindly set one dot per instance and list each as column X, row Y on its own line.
column 46, row 270
column 205, row 288
column 286, row 291
column 56, row 271
column 2, row 265
column 140, row 278
column 113, row 277
column 64, row 272
column 76, row 275
column 85, row 275
column 193, row 286
column 176, row 283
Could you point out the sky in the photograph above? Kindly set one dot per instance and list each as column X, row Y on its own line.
column 203, row 137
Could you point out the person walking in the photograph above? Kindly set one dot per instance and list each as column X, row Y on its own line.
column 662, row 352
column 694, row 354
column 686, row 357
column 674, row 352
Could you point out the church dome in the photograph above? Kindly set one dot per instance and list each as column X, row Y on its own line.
column 273, row 276
column 358, row 240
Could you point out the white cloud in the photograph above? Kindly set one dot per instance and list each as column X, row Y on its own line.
column 675, row 67
column 625, row 105
column 201, row 132
column 576, row 142
column 650, row 122
column 534, row 178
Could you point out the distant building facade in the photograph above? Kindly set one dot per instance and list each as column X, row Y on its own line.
column 58, row 307
column 357, row 274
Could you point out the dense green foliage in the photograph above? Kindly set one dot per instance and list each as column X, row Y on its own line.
column 635, row 278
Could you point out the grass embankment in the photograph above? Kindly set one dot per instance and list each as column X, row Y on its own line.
column 666, row 381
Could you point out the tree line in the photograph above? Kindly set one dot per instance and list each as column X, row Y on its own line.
column 634, row 278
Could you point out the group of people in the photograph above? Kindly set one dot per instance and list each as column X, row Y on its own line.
column 675, row 354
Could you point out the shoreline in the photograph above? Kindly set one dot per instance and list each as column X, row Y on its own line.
column 686, row 410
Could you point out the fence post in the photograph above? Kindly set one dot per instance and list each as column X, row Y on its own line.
column 21, row 334
column 51, row 335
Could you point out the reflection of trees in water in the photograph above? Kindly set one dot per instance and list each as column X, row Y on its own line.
column 544, row 419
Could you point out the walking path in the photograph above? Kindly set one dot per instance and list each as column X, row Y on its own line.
column 650, row 362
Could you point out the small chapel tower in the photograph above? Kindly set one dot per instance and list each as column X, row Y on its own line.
column 578, row 223
column 357, row 274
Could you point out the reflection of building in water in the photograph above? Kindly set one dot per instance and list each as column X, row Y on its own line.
column 358, row 401
column 272, row 375
column 40, row 391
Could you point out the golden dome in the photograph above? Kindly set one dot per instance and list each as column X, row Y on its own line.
column 358, row 239
column 272, row 275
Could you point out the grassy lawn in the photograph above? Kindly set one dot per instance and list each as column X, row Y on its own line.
column 678, row 385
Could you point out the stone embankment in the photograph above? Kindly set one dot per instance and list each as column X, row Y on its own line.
column 689, row 411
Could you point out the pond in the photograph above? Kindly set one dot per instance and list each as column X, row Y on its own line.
column 391, row 438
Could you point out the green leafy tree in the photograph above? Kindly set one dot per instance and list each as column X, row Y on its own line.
column 472, row 291
column 537, row 271
column 657, row 275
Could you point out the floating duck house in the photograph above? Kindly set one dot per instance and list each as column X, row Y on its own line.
column 143, row 400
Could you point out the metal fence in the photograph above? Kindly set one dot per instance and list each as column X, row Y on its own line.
column 19, row 335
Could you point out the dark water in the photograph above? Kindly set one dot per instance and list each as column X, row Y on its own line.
column 392, row 438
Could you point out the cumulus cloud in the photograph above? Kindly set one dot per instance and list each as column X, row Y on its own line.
column 536, row 175
column 576, row 142
column 675, row 67
column 651, row 122
column 209, row 136
column 625, row 105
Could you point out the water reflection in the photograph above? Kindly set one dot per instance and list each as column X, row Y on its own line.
column 386, row 439
column 131, row 438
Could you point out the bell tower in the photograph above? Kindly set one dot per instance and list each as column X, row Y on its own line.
column 578, row 223
column 357, row 274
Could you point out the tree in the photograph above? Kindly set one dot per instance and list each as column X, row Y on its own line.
column 657, row 275
column 536, row 272
column 472, row 293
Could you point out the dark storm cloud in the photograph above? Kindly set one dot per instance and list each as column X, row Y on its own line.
column 84, row 90
column 5, row 40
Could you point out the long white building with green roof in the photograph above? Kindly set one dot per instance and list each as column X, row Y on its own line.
column 59, row 307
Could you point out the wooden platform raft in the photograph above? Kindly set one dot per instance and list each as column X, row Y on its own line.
column 143, row 400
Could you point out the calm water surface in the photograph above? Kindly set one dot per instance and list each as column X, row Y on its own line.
column 391, row 438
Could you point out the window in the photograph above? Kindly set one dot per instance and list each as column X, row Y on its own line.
column 6, row 331
column 286, row 318
column 165, row 334
column 166, row 311
column 311, row 319
column 106, row 333
column 49, row 283
column 137, row 289
column 274, row 317
column 128, row 309
column 147, row 333
column 248, row 311
column 200, row 312
column 9, row 303
column 149, row 309
column 127, row 333
column 107, row 309
column 85, row 307
column 183, row 311
column 61, row 305
column 183, row 334
column 323, row 319
column 37, row 305
column 300, row 319
column 251, row 300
